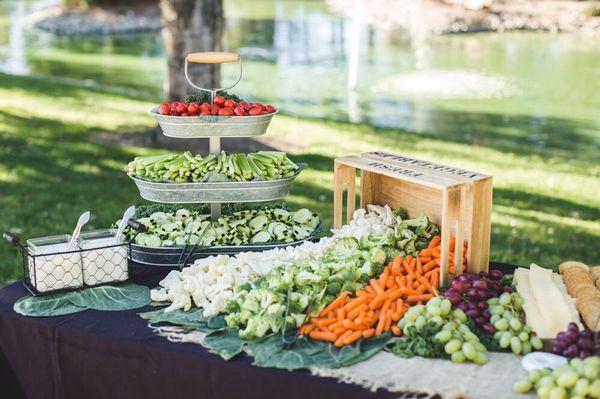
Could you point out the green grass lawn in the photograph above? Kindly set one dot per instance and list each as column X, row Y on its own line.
column 546, row 205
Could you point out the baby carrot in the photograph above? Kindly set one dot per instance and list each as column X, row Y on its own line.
column 418, row 298
column 350, row 339
column 434, row 241
column 386, row 306
column 396, row 330
column 376, row 287
column 323, row 336
column 394, row 294
column 426, row 252
column 353, row 303
column 340, row 341
column 341, row 314
column 380, row 325
column 378, row 300
column 368, row 333
column 337, row 302
column 339, row 331
column 419, row 267
column 388, row 320
column 350, row 325
column 356, row 311
column 429, row 266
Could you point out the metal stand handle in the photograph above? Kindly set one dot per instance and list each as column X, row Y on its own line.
column 212, row 58
column 214, row 145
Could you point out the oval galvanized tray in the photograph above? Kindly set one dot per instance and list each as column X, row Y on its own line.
column 222, row 192
column 170, row 256
column 212, row 126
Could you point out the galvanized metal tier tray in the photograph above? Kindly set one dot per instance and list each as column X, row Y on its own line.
column 212, row 126
column 222, row 192
column 171, row 256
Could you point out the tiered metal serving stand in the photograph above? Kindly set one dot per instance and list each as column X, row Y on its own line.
column 213, row 128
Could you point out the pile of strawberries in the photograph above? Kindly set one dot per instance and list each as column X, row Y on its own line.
column 221, row 107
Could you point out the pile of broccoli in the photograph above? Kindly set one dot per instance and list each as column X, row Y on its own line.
column 260, row 308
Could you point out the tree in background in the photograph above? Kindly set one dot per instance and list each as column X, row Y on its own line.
column 191, row 26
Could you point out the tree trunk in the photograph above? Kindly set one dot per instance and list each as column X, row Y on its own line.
column 191, row 26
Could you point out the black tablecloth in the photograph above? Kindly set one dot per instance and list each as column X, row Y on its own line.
column 115, row 355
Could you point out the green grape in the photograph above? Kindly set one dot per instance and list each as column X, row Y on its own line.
column 452, row 346
column 515, row 324
column 543, row 392
column 494, row 318
column 435, row 302
column 567, row 378
column 536, row 342
column 507, row 315
column 582, row 387
column 459, row 315
column 594, row 391
column 515, row 345
column 420, row 322
column 501, row 325
column 558, row 393
column 523, row 336
column 469, row 350
column 505, row 340
column 527, row 328
column 546, row 381
column 443, row 336
column 419, row 309
column 493, row 301
column 479, row 347
column 437, row 320
column 525, row 348
column 496, row 310
column 504, row 299
column 446, row 307
column 458, row 357
column 463, row 328
column 469, row 336
column 522, row 386
column 590, row 371
column 535, row 375
column 449, row 326
column 498, row 335
column 480, row 358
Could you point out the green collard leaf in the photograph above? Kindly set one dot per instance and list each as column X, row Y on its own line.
column 107, row 298
column 269, row 352
column 225, row 343
column 46, row 306
column 112, row 298
column 192, row 319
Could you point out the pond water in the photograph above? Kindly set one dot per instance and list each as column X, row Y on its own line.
column 538, row 89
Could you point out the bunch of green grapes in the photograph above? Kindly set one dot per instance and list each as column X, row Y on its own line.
column 579, row 379
column 511, row 331
column 457, row 339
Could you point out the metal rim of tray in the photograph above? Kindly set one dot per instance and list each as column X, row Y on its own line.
column 169, row 256
column 213, row 125
column 218, row 192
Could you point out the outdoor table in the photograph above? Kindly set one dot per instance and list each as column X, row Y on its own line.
column 115, row 355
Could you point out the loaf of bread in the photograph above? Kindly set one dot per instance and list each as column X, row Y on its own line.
column 581, row 283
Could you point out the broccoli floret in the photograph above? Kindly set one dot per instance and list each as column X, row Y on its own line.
column 344, row 248
column 376, row 256
column 372, row 241
column 400, row 213
column 391, row 252
column 257, row 327
column 306, row 277
column 278, row 282
column 276, row 309
column 298, row 302
column 333, row 288
column 237, row 320
column 251, row 303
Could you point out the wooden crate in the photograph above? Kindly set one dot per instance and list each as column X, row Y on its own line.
column 459, row 201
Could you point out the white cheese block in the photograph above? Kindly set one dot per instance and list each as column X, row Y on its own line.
column 550, row 301
column 533, row 317
column 571, row 304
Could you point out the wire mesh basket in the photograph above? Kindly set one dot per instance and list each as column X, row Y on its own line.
column 50, row 265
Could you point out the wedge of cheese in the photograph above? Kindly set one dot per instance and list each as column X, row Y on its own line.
column 570, row 301
column 533, row 316
column 547, row 305
column 550, row 301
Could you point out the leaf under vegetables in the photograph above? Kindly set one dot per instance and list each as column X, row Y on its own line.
column 46, row 306
column 269, row 352
column 192, row 319
column 107, row 298
column 112, row 298
column 225, row 343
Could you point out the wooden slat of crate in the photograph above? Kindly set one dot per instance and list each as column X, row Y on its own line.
column 479, row 192
column 445, row 198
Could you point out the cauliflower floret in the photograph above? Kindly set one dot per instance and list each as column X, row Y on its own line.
column 159, row 295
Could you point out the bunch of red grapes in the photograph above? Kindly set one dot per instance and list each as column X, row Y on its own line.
column 574, row 343
column 470, row 292
column 220, row 107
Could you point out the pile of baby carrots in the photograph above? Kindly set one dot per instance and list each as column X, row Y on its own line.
column 432, row 254
column 377, row 308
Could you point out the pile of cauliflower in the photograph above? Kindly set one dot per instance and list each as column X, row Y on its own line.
column 210, row 282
